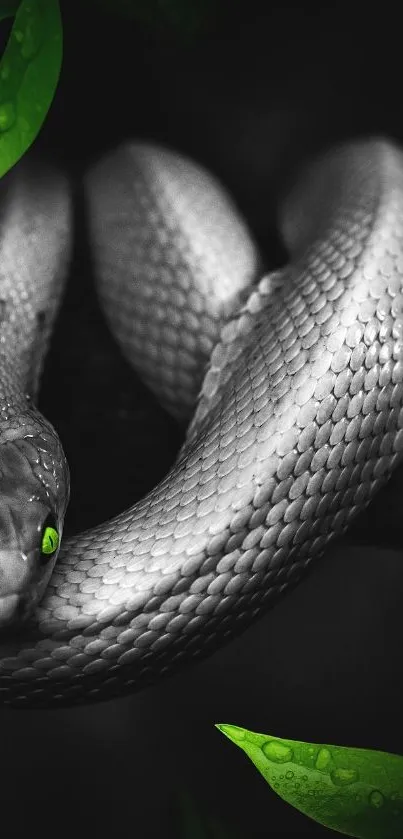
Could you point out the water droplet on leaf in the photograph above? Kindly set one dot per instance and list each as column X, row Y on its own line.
column 234, row 732
column 323, row 759
column 32, row 38
column 277, row 752
column 376, row 799
column 7, row 116
column 343, row 777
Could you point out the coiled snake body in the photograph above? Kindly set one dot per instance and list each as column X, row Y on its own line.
column 298, row 419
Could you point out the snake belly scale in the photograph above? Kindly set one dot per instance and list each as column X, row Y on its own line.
column 294, row 379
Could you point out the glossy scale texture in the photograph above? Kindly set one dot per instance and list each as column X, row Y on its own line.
column 298, row 422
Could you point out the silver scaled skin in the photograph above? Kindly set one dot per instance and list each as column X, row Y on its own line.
column 295, row 381
column 34, row 478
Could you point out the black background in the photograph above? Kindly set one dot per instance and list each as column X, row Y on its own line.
column 249, row 96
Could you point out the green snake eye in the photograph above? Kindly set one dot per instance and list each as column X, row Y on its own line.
column 50, row 540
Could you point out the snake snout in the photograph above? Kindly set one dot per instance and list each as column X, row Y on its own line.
column 15, row 577
column 10, row 607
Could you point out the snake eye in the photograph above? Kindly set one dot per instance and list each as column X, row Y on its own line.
column 49, row 539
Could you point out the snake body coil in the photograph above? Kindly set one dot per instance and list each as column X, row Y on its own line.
column 298, row 420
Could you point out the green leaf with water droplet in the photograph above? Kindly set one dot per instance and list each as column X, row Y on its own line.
column 29, row 74
column 357, row 792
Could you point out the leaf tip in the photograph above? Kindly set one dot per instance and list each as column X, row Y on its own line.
column 233, row 732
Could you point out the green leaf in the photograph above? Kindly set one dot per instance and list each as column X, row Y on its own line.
column 357, row 792
column 29, row 73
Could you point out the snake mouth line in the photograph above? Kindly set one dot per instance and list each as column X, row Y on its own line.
column 11, row 608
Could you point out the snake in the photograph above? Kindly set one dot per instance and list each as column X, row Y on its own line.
column 288, row 382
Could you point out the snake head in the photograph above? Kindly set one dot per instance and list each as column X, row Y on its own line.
column 34, row 490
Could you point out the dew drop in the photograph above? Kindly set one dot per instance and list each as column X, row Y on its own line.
column 234, row 732
column 7, row 116
column 305, row 777
column 323, row 759
column 32, row 39
column 18, row 35
column 342, row 777
column 277, row 752
column 289, row 774
column 5, row 72
column 376, row 799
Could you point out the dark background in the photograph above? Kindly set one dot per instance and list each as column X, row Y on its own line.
column 248, row 95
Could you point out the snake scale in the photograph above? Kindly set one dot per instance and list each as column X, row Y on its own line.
column 291, row 383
